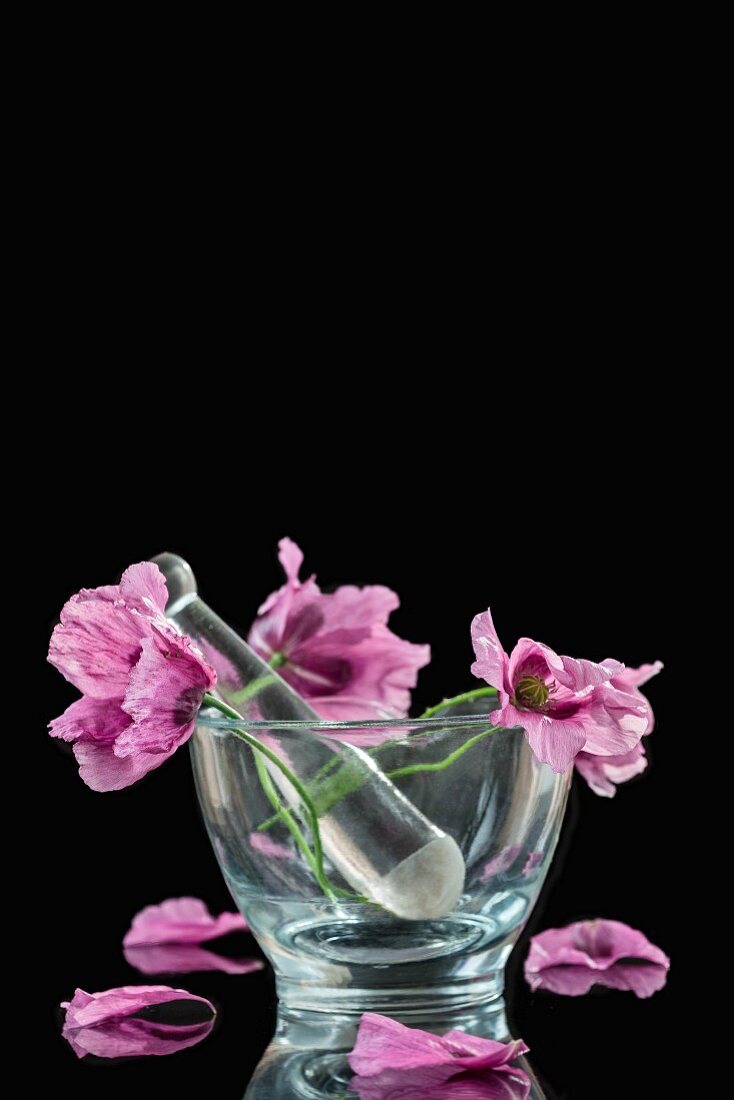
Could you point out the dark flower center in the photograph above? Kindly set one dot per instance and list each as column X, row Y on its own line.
column 532, row 693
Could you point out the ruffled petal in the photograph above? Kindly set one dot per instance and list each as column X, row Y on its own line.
column 491, row 660
column 102, row 770
column 97, row 643
column 143, row 587
column 164, row 694
column 109, row 1024
column 383, row 1043
column 180, row 920
column 553, row 741
column 95, row 719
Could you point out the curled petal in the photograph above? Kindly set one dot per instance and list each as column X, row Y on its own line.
column 491, row 660
column 102, row 770
column 143, row 587
column 96, row 643
column 164, row 694
column 642, row 979
column 604, row 773
column 180, row 920
column 554, row 741
column 92, row 719
column 383, row 1043
column 110, row 1024
column 596, row 944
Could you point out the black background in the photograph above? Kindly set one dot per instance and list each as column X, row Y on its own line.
column 567, row 547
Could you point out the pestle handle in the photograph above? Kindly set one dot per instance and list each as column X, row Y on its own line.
column 381, row 844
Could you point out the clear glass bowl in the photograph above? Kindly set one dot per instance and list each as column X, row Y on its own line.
column 341, row 956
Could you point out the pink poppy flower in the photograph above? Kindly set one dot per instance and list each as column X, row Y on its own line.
column 606, row 952
column 335, row 648
column 603, row 773
column 185, row 958
column 180, row 920
column 563, row 704
column 142, row 682
column 111, row 1025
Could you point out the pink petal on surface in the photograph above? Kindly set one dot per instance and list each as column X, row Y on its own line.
column 96, row 643
column 597, row 944
column 265, row 844
column 641, row 978
column 491, row 660
column 164, row 694
column 185, row 958
column 143, row 587
column 383, row 1044
column 106, row 1024
column 180, row 920
column 96, row 719
column 102, row 770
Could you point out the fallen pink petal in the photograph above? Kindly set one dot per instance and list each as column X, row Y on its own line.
column 180, row 920
column 565, row 705
column 642, row 979
column 335, row 648
column 124, row 1022
column 608, row 951
column 185, row 958
column 385, row 1044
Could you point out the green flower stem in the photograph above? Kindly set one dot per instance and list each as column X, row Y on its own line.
column 465, row 697
column 254, row 743
column 282, row 813
column 412, row 769
column 253, row 688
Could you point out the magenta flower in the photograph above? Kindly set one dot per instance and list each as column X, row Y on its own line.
column 180, row 920
column 606, row 952
column 142, row 683
column 604, row 773
column 185, row 958
column 336, row 649
column 563, row 704
column 111, row 1025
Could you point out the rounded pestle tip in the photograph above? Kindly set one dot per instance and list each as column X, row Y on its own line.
column 179, row 575
column 427, row 884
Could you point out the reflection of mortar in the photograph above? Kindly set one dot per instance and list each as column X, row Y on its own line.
column 381, row 844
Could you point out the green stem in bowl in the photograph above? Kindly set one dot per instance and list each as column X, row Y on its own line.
column 309, row 807
column 440, row 765
column 455, row 700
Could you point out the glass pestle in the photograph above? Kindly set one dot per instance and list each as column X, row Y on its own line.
column 379, row 842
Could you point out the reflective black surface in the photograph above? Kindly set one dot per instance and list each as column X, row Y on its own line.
column 589, row 590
